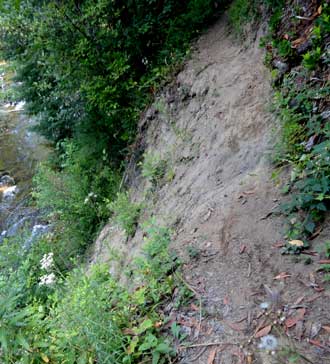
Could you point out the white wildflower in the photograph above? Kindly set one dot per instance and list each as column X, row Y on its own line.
column 268, row 342
column 47, row 279
column 264, row 305
column 90, row 196
column 47, row 261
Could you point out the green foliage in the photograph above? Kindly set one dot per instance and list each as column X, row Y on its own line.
column 73, row 197
column 283, row 48
column 88, row 318
column 125, row 212
column 87, row 69
column 310, row 176
column 304, row 143
column 312, row 58
column 326, row 267
column 154, row 168
column 242, row 12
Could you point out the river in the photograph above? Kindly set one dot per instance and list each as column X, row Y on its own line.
column 20, row 152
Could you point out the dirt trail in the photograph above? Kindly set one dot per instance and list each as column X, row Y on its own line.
column 213, row 127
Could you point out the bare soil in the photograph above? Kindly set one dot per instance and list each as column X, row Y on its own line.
column 213, row 127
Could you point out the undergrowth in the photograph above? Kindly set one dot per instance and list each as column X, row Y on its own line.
column 50, row 316
column 71, row 194
column 125, row 212
column 302, row 104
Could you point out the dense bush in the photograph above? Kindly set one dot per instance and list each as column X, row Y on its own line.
column 87, row 68
column 302, row 104
column 49, row 317
column 71, row 194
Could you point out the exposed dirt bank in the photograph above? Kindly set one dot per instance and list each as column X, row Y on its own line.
column 213, row 127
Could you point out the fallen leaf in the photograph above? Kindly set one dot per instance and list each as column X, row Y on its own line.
column 290, row 322
column 242, row 249
column 296, row 43
column 317, row 232
column 235, row 326
column 319, row 289
column 226, row 300
column 279, row 244
column 313, row 254
column 241, row 320
column 326, row 328
column 211, row 357
column 324, row 261
column 299, row 300
column 316, row 343
column 263, row 332
column 282, row 275
column 319, row 10
column 286, row 36
column 296, row 243
column 314, row 297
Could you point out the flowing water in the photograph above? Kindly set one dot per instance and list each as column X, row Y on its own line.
column 20, row 152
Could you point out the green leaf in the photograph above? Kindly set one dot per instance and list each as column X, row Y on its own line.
column 144, row 326
column 3, row 340
column 164, row 348
column 149, row 342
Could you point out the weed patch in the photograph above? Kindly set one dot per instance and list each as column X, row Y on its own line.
column 80, row 318
column 302, row 103
column 125, row 212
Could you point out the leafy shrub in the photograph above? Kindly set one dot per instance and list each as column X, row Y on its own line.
column 284, row 48
column 326, row 267
column 73, row 199
column 88, row 69
column 312, row 58
column 126, row 213
column 304, row 143
column 242, row 12
column 90, row 317
column 153, row 168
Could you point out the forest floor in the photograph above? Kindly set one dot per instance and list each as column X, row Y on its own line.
column 214, row 128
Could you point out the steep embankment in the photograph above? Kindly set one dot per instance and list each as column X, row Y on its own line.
column 213, row 129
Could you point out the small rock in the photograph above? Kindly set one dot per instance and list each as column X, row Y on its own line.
column 151, row 113
column 304, row 47
column 293, row 103
column 325, row 114
column 6, row 180
column 281, row 66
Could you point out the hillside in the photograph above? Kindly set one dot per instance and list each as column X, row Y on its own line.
column 213, row 131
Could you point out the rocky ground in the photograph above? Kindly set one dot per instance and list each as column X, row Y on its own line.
column 213, row 128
